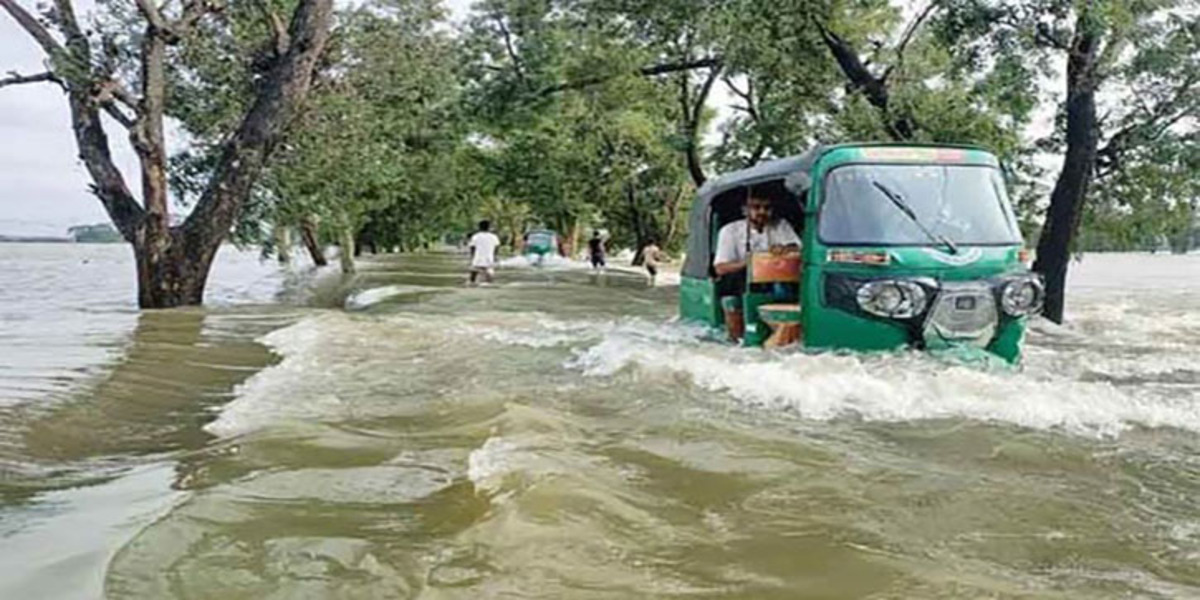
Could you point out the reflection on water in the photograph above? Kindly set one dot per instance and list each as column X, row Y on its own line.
column 557, row 435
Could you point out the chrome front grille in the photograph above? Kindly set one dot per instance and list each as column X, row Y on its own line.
column 962, row 313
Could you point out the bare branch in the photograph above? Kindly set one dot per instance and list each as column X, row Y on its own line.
column 747, row 96
column 118, row 92
column 1159, row 118
column 510, row 49
column 153, row 15
column 32, row 27
column 705, row 90
column 647, row 71
column 909, row 32
column 118, row 115
column 282, row 39
column 1042, row 32
column 15, row 78
column 108, row 184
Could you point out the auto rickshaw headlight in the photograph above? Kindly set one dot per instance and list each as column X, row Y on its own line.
column 1022, row 296
column 896, row 299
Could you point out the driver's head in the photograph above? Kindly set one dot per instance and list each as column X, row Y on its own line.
column 758, row 209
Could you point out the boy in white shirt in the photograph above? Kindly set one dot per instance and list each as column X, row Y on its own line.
column 483, row 252
column 758, row 232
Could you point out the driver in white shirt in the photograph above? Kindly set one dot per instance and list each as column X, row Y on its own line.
column 758, row 232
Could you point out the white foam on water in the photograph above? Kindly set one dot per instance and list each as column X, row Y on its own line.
column 491, row 461
column 893, row 387
column 546, row 332
column 264, row 398
column 368, row 297
column 549, row 261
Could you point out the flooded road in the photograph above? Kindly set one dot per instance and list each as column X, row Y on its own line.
column 559, row 435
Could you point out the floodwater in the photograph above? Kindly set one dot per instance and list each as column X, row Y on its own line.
column 558, row 435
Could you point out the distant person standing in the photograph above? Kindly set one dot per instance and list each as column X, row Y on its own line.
column 483, row 252
column 596, row 250
column 651, row 256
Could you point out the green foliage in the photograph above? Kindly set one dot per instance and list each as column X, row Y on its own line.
column 569, row 114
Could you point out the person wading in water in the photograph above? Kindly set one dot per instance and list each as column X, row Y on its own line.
column 483, row 253
column 596, row 250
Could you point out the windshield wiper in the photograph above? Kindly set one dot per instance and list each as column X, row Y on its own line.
column 898, row 200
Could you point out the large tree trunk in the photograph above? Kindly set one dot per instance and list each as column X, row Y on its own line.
column 636, row 219
column 173, row 261
column 346, row 249
column 1070, row 190
column 308, row 233
column 674, row 200
column 167, row 275
column 692, row 110
column 283, row 244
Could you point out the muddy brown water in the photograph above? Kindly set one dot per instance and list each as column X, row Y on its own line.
column 559, row 435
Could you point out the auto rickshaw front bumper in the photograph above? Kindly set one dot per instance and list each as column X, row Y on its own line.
column 880, row 313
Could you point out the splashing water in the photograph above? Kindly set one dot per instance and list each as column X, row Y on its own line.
column 560, row 435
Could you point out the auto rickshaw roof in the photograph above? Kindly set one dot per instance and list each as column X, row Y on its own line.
column 764, row 171
column 781, row 168
column 793, row 171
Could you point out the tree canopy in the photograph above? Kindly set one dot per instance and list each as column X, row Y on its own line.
column 584, row 114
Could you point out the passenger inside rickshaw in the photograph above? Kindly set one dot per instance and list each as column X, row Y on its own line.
column 756, row 261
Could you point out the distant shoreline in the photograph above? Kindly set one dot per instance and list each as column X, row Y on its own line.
column 34, row 239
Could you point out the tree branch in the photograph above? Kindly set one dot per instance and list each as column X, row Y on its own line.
column 747, row 96
column 647, row 71
column 15, row 78
column 279, row 33
column 245, row 152
column 909, row 32
column 153, row 15
column 1160, row 117
column 118, row 115
column 510, row 49
column 1042, row 32
column 900, row 127
column 32, row 27
column 108, row 184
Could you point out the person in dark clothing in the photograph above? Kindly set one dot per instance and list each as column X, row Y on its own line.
column 596, row 250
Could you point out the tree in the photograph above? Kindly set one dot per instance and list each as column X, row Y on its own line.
column 1104, row 45
column 173, row 260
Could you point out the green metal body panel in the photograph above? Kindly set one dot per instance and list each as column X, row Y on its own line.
column 827, row 327
column 698, row 301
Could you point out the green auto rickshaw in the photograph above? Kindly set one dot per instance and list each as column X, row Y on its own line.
column 903, row 245
column 540, row 243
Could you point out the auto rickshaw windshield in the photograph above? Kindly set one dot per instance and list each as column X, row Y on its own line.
column 916, row 205
column 540, row 239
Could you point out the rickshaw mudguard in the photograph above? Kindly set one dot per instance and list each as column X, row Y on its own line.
column 1007, row 343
